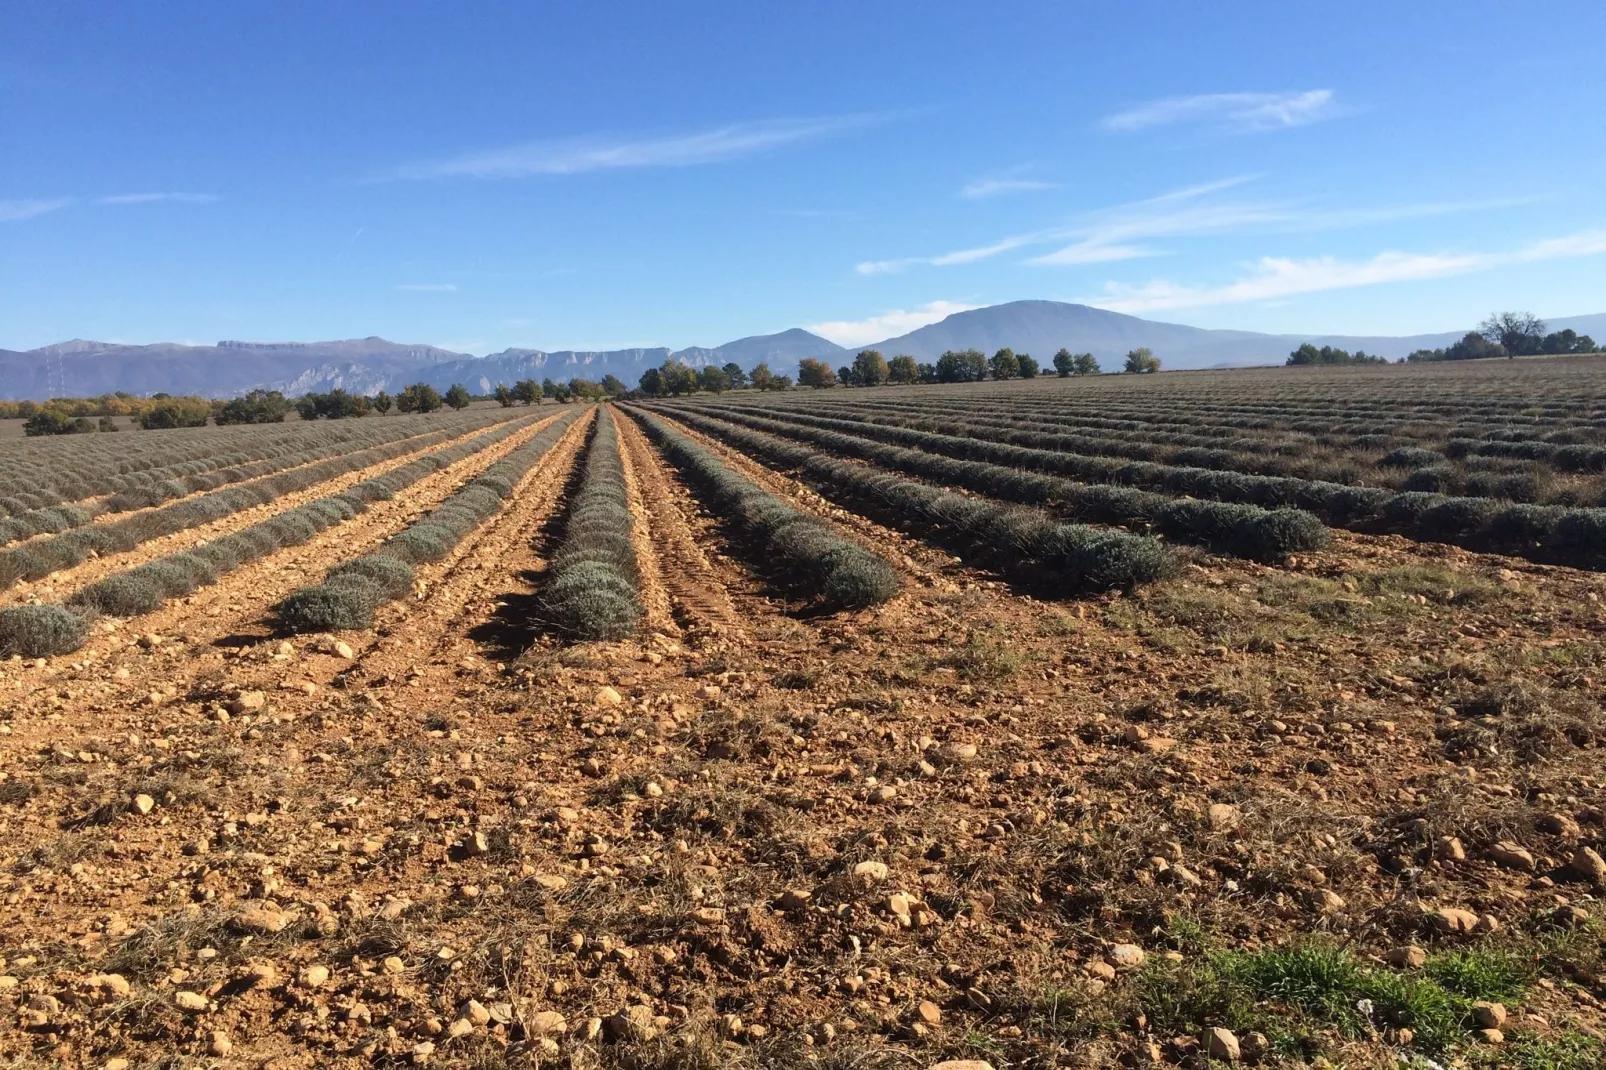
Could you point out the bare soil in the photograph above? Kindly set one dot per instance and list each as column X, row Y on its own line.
column 946, row 827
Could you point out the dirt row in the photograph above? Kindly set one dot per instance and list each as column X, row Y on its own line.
column 61, row 584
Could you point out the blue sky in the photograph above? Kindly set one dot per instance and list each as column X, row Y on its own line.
column 595, row 176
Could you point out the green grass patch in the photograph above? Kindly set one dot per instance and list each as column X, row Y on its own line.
column 1296, row 992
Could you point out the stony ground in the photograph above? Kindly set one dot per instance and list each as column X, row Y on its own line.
column 1342, row 812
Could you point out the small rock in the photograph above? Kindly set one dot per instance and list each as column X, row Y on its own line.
column 1125, row 956
column 1511, row 856
column 260, row 921
column 1409, row 957
column 475, row 1012
column 607, row 696
column 115, row 983
column 876, row 871
column 343, row 650
column 1255, row 1046
column 883, row 793
column 460, row 1028
column 1587, row 864
column 1489, row 1015
column 632, row 1023
column 1222, row 817
column 1449, row 849
column 142, row 804
column 1222, row 1044
column 795, row 898
column 963, row 1064
column 1558, row 825
column 959, row 752
column 1491, row 1036
column 220, row 1044
column 1326, row 901
column 248, row 702
column 313, row 976
column 547, row 1023
column 1453, row 920
column 593, row 768
column 190, row 1002
column 928, row 1012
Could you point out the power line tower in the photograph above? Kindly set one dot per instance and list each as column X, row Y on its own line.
column 55, row 377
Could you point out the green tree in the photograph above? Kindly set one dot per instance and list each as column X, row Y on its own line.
column 652, row 383
column 712, row 379
column 503, row 396
column 733, row 372
column 966, row 366
column 903, row 369
column 382, row 403
column 1085, row 364
column 815, row 373
column 419, row 397
column 49, row 422
column 870, row 368
column 1028, row 365
column 1064, row 363
column 256, row 407
column 762, row 377
column 1003, row 365
column 845, row 376
column 527, row 391
column 1141, row 361
column 457, row 397
column 678, row 377
column 613, row 386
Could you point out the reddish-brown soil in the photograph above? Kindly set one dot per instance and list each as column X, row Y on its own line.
column 760, row 835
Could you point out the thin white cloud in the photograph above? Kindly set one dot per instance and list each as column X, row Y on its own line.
column 571, row 156
column 1126, row 231
column 18, row 210
column 1272, row 278
column 428, row 287
column 983, row 188
column 1098, row 239
column 152, row 198
column 1236, row 112
column 888, row 324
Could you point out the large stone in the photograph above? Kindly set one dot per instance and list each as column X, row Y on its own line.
column 1222, row 1044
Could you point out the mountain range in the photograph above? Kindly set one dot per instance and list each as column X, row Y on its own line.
column 368, row 365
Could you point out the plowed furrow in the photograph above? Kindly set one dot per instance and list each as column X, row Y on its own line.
column 699, row 598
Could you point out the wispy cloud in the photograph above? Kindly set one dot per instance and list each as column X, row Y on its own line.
column 1100, row 236
column 428, row 287
column 888, row 324
column 571, row 156
column 1002, row 185
column 1243, row 113
column 16, row 211
column 1128, row 231
column 152, row 198
column 1270, row 278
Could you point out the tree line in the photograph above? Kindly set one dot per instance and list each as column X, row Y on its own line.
column 871, row 368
